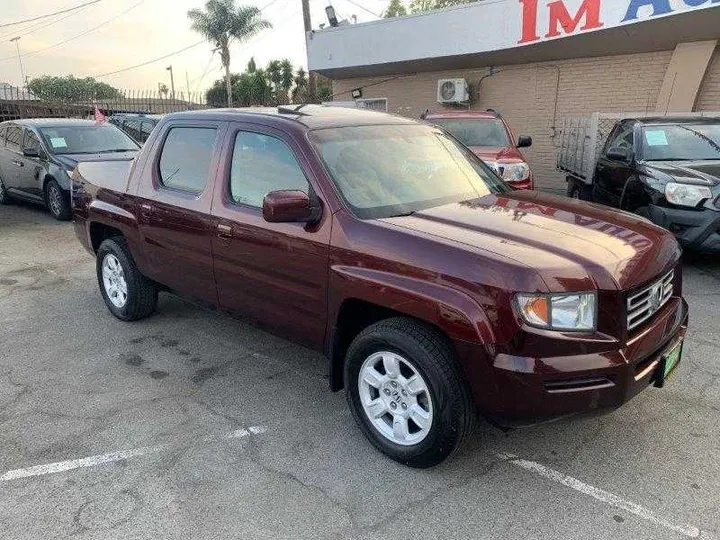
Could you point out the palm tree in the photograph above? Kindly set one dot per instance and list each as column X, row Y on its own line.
column 222, row 23
column 301, row 86
column 286, row 75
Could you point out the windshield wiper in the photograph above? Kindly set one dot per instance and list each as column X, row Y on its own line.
column 116, row 150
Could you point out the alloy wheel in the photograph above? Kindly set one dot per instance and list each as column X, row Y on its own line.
column 395, row 398
column 114, row 282
column 55, row 200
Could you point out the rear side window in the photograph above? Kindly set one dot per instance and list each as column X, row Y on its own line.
column 261, row 164
column 3, row 131
column 14, row 137
column 185, row 158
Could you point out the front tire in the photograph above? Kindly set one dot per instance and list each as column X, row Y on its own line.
column 127, row 293
column 4, row 197
column 57, row 201
column 407, row 392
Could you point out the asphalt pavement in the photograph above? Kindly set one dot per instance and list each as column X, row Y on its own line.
column 191, row 425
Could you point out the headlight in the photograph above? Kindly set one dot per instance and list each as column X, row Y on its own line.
column 559, row 311
column 685, row 194
column 510, row 172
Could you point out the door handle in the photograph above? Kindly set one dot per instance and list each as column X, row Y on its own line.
column 224, row 231
column 19, row 163
column 147, row 208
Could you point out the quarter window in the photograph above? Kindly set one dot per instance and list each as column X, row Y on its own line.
column 31, row 141
column 623, row 138
column 185, row 158
column 261, row 164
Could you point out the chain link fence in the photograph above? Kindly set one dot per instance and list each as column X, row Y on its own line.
column 16, row 103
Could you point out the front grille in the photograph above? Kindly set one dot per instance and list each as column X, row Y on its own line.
column 644, row 304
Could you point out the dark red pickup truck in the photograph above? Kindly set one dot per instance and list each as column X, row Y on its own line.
column 432, row 287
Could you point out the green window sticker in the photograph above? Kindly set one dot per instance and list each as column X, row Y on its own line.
column 656, row 137
column 58, row 142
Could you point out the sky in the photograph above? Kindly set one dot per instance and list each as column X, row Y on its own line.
column 149, row 29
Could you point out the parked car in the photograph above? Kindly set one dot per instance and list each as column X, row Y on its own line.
column 137, row 126
column 490, row 138
column 666, row 169
column 38, row 155
column 429, row 283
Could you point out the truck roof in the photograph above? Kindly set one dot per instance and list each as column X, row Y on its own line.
column 677, row 120
column 310, row 116
column 462, row 114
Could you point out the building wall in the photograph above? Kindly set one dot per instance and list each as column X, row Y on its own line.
column 535, row 97
column 709, row 96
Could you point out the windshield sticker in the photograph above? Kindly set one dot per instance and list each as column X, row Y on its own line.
column 656, row 137
column 58, row 142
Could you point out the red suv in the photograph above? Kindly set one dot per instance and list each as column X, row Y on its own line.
column 490, row 138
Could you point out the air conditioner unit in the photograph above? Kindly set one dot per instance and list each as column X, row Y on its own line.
column 453, row 91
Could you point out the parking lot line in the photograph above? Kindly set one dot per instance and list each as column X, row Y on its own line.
column 599, row 494
column 93, row 461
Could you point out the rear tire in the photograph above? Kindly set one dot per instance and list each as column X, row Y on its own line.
column 407, row 393
column 127, row 293
column 57, row 201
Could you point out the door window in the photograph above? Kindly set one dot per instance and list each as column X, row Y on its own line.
column 185, row 158
column 14, row 137
column 31, row 141
column 261, row 164
column 622, row 138
column 3, row 132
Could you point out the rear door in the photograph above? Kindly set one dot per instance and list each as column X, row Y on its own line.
column 611, row 175
column 175, row 196
column 11, row 162
column 274, row 273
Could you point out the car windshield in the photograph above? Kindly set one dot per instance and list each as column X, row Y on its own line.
column 475, row 131
column 87, row 139
column 681, row 142
column 389, row 170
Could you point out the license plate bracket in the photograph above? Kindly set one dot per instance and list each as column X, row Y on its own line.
column 668, row 362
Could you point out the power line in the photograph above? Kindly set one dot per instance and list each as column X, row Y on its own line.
column 35, row 27
column 151, row 61
column 104, row 23
column 51, row 14
column 363, row 8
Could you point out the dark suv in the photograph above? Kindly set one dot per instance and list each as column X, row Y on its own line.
column 38, row 155
column 137, row 126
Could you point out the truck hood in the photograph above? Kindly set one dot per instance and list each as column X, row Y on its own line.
column 71, row 160
column 493, row 153
column 691, row 172
column 573, row 245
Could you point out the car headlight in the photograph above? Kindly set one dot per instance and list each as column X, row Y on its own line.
column 685, row 194
column 510, row 172
column 574, row 311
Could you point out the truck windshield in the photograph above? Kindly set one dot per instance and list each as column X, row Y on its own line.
column 475, row 131
column 390, row 170
column 87, row 139
column 681, row 142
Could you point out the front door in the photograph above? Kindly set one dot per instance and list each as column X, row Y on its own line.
column 29, row 173
column 174, row 199
column 612, row 174
column 273, row 273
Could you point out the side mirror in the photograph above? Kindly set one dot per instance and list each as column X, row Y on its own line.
column 289, row 206
column 31, row 152
column 618, row 154
column 524, row 141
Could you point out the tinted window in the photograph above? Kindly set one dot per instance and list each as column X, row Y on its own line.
column 3, row 130
column 87, row 139
column 623, row 138
column 185, row 158
column 476, row 131
column 132, row 128
column 145, row 130
column 31, row 141
column 14, row 137
column 262, row 164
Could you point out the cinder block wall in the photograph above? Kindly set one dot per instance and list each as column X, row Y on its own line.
column 528, row 94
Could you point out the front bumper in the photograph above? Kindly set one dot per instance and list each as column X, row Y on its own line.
column 537, row 389
column 698, row 230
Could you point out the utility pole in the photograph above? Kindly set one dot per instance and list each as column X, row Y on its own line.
column 312, row 79
column 22, row 72
column 172, row 82
column 187, row 85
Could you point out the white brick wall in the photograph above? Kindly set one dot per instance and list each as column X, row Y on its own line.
column 526, row 95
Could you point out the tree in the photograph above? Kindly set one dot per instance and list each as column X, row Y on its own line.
column 222, row 23
column 395, row 9
column 300, row 92
column 68, row 89
column 163, row 89
column 419, row 6
column 251, row 66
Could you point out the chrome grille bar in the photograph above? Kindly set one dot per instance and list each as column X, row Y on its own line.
column 644, row 304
